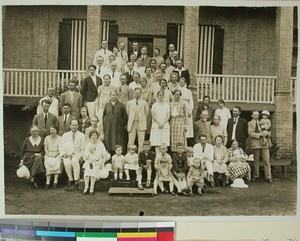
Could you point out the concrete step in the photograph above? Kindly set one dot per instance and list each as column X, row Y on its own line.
column 130, row 191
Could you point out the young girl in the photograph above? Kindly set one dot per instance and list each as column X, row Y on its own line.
column 196, row 176
column 265, row 125
column 164, row 174
column 118, row 161
column 190, row 155
column 131, row 161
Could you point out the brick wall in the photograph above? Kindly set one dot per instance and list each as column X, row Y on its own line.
column 30, row 35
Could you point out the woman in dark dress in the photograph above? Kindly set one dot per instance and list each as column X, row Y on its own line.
column 32, row 154
column 114, row 123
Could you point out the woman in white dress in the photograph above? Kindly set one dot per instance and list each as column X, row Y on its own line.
column 223, row 112
column 187, row 97
column 160, row 128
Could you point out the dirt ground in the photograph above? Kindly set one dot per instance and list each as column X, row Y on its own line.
column 261, row 198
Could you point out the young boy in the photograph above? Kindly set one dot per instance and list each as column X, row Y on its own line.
column 118, row 161
column 146, row 162
column 190, row 156
column 196, row 176
column 131, row 161
column 180, row 167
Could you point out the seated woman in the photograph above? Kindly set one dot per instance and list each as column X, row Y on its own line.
column 220, row 161
column 238, row 166
column 32, row 154
column 84, row 120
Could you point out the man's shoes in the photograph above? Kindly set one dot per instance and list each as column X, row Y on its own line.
column 148, row 183
column 85, row 191
column 69, row 183
column 140, row 186
column 55, row 185
column 154, row 193
column 92, row 192
column 76, row 183
column 47, row 186
column 269, row 180
column 173, row 193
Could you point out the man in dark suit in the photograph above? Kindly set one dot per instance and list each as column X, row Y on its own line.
column 237, row 128
column 73, row 98
column 130, row 73
column 135, row 49
column 171, row 49
column 182, row 72
column 90, row 90
column 45, row 119
column 64, row 121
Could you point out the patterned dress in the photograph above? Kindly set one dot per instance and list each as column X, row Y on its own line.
column 178, row 121
column 238, row 168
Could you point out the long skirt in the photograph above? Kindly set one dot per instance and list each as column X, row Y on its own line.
column 35, row 164
column 239, row 170
column 177, row 132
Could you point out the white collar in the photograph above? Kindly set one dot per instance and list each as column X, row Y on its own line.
column 180, row 69
column 33, row 142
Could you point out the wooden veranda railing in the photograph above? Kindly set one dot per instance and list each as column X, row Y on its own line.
column 34, row 82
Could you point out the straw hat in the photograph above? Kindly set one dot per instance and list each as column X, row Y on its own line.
column 108, row 167
column 239, row 183
column 23, row 172
column 103, row 173
column 265, row 112
column 67, row 148
column 52, row 164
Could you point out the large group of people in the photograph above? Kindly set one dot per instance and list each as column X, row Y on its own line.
column 126, row 107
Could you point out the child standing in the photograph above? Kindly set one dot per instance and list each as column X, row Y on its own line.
column 196, row 176
column 146, row 162
column 180, row 167
column 118, row 161
column 164, row 174
column 265, row 125
column 131, row 161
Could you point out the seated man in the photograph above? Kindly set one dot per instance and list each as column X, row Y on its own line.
column 202, row 127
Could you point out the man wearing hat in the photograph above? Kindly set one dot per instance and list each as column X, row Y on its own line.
column 71, row 162
column 259, row 147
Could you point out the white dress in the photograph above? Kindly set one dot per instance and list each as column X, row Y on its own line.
column 224, row 115
column 187, row 97
column 53, row 149
column 159, row 136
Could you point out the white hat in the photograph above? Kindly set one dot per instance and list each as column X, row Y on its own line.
column 108, row 167
column 67, row 148
column 103, row 173
column 23, row 172
column 52, row 164
column 265, row 112
column 239, row 183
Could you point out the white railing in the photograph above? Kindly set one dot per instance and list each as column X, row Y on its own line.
column 34, row 82
column 237, row 88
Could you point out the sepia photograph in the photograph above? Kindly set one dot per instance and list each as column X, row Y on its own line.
column 132, row 110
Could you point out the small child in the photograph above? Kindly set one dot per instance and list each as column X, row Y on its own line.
column 90, row 158
column 118, row 161
column 131, row 161
column 164, row 174
column 196, row 176
column 180, row 167
column 146, row 162
column 190, row 156
column 265, row 125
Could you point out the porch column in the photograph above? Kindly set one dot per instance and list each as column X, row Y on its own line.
column 283, row 124
column 93, row 39
column 191, row 41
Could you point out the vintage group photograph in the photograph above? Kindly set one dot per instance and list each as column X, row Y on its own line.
column 149, row 110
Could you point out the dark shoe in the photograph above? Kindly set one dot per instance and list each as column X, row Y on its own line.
column 55, row 185
column 47, row 186
column 85, row 191
column 165, row 191
column 269, row 180
column 76, row 183
column 69, row 183
column 140, row 186
column 92, row 192
column 154, row 193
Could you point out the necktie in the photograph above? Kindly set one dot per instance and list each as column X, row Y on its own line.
column 122, row 54
column 113, row 75
column 104, row 51
column 137, row 102
column 99, row 70
column 65, row 120
column 203, row 148
column 256, row 127
column 234, row 121
column 73, row 136
column 46, row 117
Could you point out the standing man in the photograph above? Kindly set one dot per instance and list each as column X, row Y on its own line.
column 114, row 74
column 90, row 90
column 125, row 92
column 44, row 119
column 145, row 58
column 73, row 98
column 71, row 162
column 259, row 148
column 64, row 121
column 54, row 105
column 205, row 106
column 182, row 72
column 137, row 111
column 123, row 52
column 171, row 49
column 119, row 60
column 129, row 73
column 100, row 69
column 237, row 128
column 135, row 49
column 104, row 52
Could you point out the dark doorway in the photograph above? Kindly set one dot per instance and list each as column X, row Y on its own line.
column 112, row 35
column 148, row 42
column 64, row 45
column 172, row 36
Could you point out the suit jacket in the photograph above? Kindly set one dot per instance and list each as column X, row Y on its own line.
column 76, row 103
column 202, row 128
column 62, row 126
column 129, row 77
column 89, row 90
column 256, row 141
column 142, row 114
column 39, row 121
column 184, row 73
column 125, row 94
column 138, row 54
column 241, row 132
column 146, row 61
column 78, row 143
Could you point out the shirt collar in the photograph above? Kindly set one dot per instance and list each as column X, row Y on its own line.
column 35, row 142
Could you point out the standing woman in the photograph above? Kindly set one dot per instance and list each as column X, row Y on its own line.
column 51, row 145
column 32, row 152
column 136, row 81
column 84, row 120
column 114, row 123
column 187, row 97
column 160, row 128
column 173, row 85
column 170, row 68
column 216, row 129
column 168, row 97
column 178, row 121
column 223, row 112
column 103, row 95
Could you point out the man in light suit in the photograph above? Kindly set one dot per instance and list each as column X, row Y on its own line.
column 64, row 121
column 100, row 69
column 145, row 58
column 90, row 90
column 237, row 128
column 182, row 72
column 123, row 53
column 71, row 162
column 54, row 106
column 73, row 97
column 44, row 119
column 137, row 111
column 259, row 148
column 104, row 52
column 125, row 92
column 114, row 74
